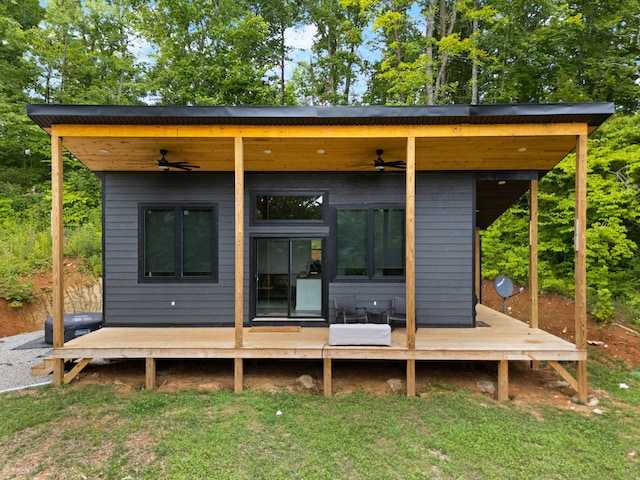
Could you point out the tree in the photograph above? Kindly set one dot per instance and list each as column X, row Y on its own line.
column 613, row 212
column 85, row 53
column 209, row 53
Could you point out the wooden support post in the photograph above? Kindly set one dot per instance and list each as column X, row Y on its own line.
column 326, row 374
column 581, row 262
column 503, row 380
column 478, row 267
column 150, row 373
column 238, row 374
column 533, row 254
column 239, row 243
column 533, row 260
column 410, row 227
column 411, row 378
column 57, row 250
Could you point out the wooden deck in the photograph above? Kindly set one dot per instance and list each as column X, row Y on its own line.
column 502, row 339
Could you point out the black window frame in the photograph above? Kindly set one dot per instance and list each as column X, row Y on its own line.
column 370, row 275
column 178, row 277
column 254, row 220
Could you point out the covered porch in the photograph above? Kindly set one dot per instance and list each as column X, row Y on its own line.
column 499, row 338
column 504, row 150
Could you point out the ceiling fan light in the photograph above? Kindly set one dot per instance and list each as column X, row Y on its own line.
column 380, row 168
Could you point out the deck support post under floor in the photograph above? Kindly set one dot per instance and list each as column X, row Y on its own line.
column 411, row 378
column 238, row 374
column 58, row 371
column 503, row 380
column 581, row 377
column 150, row 373
column 326, row 375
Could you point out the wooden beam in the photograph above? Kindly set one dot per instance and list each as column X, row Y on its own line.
column 322, row 131
column 239, row 240
column 238, row 374
column 57, row 251
column 503, row 380
column 478, row 266
column 581, row 261
column 564, row 374
column 150, row 373
column 533, row 254
column 76, row 370
column 411, row 378
column 410, row 226
column 326, row 376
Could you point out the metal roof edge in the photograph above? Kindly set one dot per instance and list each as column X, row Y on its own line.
column 46, row 115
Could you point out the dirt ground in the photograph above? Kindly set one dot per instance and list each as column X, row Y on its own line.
column 556, row 315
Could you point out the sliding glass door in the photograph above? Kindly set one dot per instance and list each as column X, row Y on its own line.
column 288, row 278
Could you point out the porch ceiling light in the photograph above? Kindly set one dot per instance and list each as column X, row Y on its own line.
column 502, row 182
column 522, row 149
column 266, row 151
column 103, row 151
column 320, row 151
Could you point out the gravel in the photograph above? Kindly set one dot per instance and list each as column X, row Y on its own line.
column 15, row 365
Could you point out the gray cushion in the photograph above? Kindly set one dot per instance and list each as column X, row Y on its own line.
column 359, row 334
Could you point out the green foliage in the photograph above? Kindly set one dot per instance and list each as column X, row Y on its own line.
column 613, row 212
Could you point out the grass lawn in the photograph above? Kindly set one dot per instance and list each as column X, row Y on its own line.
column 87, row 432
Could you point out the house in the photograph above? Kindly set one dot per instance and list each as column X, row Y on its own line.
column 236, row 217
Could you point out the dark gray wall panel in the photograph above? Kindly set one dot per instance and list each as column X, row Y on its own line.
column 444, row 243
column 128, row 302
column 444, row 248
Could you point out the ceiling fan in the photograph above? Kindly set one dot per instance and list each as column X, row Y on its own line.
column 164, row 164
column 379, row 164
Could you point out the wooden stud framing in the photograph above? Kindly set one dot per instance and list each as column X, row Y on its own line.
column 533, row 254
column 150, row 373
column 581, row 262
column 57, row 247
column 410, row 261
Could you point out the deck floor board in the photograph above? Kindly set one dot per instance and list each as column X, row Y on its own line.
column 504, row 338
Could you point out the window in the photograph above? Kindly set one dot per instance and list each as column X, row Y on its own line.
column 178, row 243
column 370, row 243
column 299, row 207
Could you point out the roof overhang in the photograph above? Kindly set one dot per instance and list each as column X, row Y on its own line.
column 498, row 138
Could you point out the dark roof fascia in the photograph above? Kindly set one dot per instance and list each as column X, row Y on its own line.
column 46, row 115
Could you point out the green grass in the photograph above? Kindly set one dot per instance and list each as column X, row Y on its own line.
column 96, row 432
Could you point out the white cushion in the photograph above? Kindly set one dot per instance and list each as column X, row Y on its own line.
column 359, row 334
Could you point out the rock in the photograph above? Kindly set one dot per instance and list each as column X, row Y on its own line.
column 486, row 386
column 395, row 384
column 556, row 384
column 307, row 381
column 592, row 401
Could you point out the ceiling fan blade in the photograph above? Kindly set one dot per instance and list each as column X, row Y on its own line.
column 396, row 164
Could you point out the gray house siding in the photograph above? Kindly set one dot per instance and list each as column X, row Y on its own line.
column 444, row 243
column 445, row 212
column 128, row 302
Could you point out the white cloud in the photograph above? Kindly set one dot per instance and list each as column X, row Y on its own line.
column 300, row 38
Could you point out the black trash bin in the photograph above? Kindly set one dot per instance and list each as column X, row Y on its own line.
column 75, row 325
